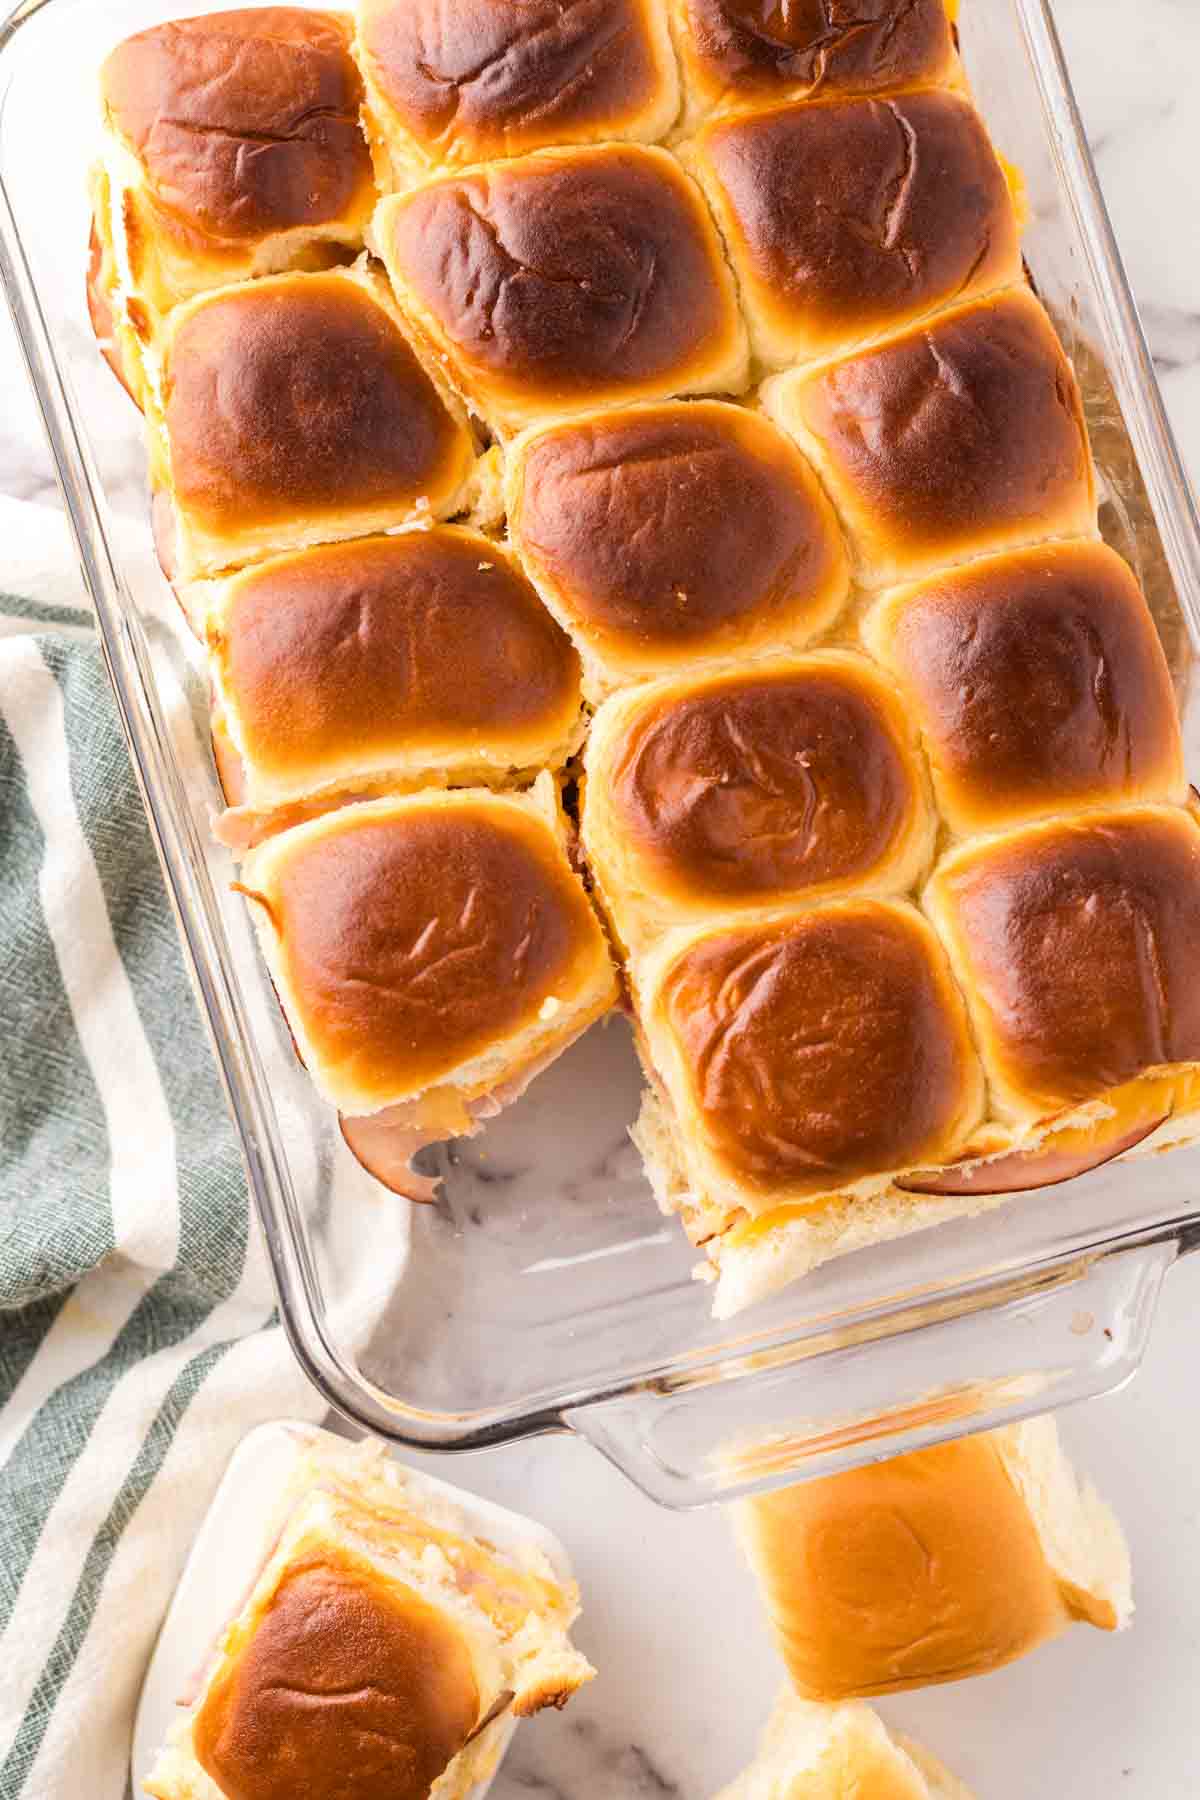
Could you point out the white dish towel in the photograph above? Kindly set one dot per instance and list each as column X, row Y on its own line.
column 138, row 1337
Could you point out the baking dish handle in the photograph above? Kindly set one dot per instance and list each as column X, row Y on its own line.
column 997, row 1353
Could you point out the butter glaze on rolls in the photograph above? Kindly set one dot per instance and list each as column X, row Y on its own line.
column 1077, row 943
column 792, row 779
column 566, row 278
column 1040, row 684
column 376, row 661
column 666, row 535
column 736, row 53
column 378, row 1640
column 961, row 437
column 815, row 1752
column 936, row 1566
column 439, row 940
column 235, row 148
column 498, row 78
column 754, row 1029
column 850, row 219
column 293, row 410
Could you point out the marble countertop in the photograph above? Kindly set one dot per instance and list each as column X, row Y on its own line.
column 671, row 1619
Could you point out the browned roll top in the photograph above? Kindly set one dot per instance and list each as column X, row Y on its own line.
column 356, row 1682
column 594, row 272
column 1039, row 681
column 245, row 122
column 501, row 74
column 665, row 526
column 975, row 418
column 759, row 47
column 295, row 395
column 1081, row 943
column 823, row 1049
column 766, row 784
column 412, row 944
column 847, row 217
column 389, row 640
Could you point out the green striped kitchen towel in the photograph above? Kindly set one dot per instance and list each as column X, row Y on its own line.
column 138, row 1340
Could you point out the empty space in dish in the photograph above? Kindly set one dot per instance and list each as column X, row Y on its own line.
column 544, row 1287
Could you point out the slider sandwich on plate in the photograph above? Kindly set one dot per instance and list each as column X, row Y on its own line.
column 393, row 1630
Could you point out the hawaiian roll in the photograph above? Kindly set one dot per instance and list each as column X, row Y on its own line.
column 959, row 438
column 794, row 778
column 1040, row 684
column 669, row 534
column 800, row 1056
column 498, row 78
column 1076, row 942
column 431, row 941
column 848, row 220
column 812, row 1751
column 234, row 147
column 739, row 53
column 935, row 1566
column 379, row 1650
column 384, row 661
column 293, row 410
column 567, row 278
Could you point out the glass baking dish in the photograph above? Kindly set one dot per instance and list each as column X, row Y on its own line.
column 544, row 1291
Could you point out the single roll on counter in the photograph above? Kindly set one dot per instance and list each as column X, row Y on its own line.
column 846, row 1752
column 935, row 1566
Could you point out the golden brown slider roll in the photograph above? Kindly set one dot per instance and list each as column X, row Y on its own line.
column 798, row 1059
column 374, row 662
column 735, row 53
column 567, row 278
column 962, row 437
column 1077, row 944
column 934, row 1566
column 448, row 86
column 1040, row 684
column 670, row 534
column 848, row 220
column 374, row 1650
column 234, row 148
column 815, row 1752
column 431, row 953
column 292, row 411
column 789, row 779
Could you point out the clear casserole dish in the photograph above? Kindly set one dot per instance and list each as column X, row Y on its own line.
column 543, row 1291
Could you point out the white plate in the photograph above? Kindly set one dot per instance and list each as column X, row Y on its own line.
column 227, row 1556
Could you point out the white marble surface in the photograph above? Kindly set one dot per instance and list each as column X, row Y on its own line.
column 671, row 1620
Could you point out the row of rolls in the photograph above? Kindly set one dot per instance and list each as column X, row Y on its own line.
column 650, row 402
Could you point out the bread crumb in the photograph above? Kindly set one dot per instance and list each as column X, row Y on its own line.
column 548, row 1008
